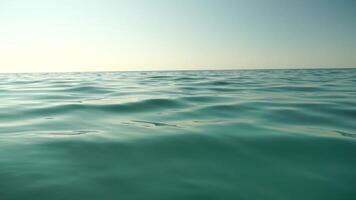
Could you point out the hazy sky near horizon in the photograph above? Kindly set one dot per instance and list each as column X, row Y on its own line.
column 99, row 35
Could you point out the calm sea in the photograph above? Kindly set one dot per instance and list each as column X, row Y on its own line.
column 254, row 134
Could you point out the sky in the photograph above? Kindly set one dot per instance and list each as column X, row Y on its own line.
column 114, row 35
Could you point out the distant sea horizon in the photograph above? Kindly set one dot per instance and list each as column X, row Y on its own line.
column 177, row 70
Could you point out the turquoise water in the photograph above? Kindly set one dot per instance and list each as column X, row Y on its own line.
column 254, row 134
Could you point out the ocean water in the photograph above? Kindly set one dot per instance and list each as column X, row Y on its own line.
column 249, row 134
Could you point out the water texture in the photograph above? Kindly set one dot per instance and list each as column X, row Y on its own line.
column 249, row 134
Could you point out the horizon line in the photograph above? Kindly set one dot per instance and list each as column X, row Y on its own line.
column 179, row 70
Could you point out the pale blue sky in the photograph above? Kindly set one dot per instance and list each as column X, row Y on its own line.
column 99, row 35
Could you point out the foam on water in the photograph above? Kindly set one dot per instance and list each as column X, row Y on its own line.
column 254, row 134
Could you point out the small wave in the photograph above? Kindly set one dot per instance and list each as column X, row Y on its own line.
column 293, row 89
column 139, row 106
column 206, row 99
column 346, row 134
column 87, row 89
column 154, row 123
column 70, row 133
column 159, row 77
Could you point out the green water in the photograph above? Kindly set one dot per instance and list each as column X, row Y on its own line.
column 254, row 134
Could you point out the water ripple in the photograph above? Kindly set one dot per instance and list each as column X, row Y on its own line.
column 249, row 134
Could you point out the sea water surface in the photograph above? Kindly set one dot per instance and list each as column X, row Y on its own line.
column 248, row 134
